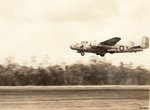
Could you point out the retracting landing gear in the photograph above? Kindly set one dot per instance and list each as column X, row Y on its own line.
column 82, row 53
column 102, row 55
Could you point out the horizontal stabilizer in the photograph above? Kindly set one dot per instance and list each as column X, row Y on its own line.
column 136, row 47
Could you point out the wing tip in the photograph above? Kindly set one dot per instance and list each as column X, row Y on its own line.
column 118, row 38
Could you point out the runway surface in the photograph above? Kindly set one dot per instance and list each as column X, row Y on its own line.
column 74, row 98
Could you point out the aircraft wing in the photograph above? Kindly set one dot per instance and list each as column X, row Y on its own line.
column 111, row 42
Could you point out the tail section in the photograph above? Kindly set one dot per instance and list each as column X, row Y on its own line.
column 145, row 42
column 131, row 44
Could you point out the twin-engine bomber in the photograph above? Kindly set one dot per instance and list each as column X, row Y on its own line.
column 109, row 46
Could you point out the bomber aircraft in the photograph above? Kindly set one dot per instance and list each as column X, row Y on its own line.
column 109, row 46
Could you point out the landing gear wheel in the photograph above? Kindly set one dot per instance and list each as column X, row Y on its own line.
column 111, row 52
column 102, row 55
column 121, row 48
column 82, row 53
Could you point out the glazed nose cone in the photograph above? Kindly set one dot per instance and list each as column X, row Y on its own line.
column 71, row 46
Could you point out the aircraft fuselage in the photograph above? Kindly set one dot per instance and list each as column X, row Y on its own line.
column 108, row 46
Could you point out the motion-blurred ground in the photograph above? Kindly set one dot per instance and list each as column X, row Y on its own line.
column 74, row 98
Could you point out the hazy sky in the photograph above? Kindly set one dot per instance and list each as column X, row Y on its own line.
column 48, row 27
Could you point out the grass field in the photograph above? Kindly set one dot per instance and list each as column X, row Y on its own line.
column 74, row 98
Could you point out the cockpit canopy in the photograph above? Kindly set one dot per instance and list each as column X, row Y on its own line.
column 81, row 43
column 84, row 42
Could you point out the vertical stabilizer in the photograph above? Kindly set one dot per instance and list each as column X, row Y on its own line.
column 131, row 44
column 145, row 42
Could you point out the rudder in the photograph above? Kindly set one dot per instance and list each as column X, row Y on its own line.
column 145, row 42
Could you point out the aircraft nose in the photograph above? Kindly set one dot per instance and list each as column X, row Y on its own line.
column 71, row 46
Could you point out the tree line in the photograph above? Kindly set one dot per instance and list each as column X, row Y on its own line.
column 96, row 72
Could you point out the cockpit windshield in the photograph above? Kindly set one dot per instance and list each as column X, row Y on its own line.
column 84, row 42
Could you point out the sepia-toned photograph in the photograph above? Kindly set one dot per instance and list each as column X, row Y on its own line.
column 74, row 55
